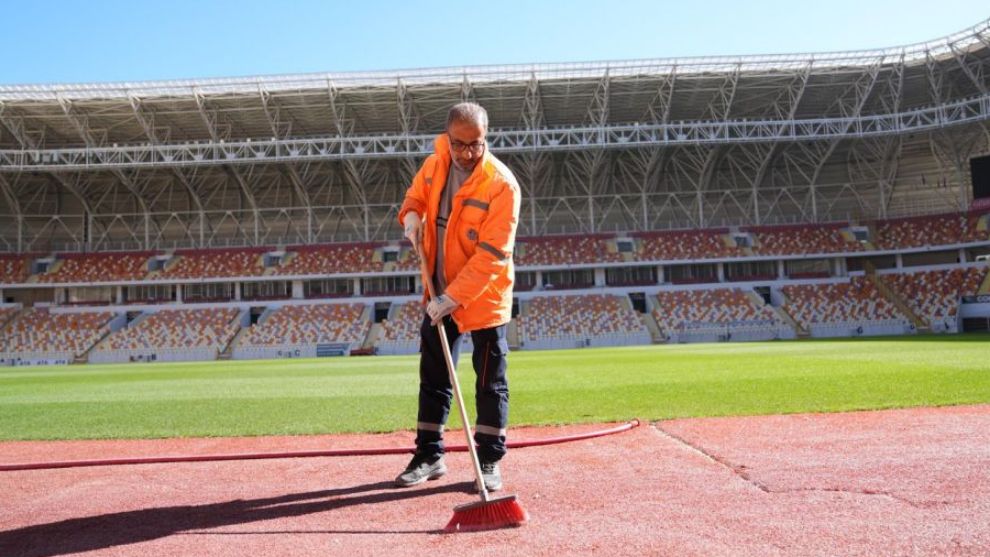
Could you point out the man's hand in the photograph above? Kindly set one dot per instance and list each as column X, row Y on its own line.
column 413, row 229
column 438, row 308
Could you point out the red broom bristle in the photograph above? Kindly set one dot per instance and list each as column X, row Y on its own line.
column 503, row 512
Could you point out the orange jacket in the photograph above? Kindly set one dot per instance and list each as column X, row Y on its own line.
column 481, row 234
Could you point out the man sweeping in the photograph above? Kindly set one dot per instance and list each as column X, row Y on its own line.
column 463, row 209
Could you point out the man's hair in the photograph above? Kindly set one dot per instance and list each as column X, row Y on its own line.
column 471, row 113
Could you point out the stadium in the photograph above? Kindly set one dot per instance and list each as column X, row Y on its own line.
column 708, row 207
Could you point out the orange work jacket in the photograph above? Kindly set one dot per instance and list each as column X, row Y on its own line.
column 481, row 235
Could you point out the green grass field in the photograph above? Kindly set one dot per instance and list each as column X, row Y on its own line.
column 377, row 394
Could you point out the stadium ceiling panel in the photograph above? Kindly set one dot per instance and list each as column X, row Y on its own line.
column 843, row 135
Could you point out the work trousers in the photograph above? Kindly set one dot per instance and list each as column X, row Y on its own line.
column 491, row 388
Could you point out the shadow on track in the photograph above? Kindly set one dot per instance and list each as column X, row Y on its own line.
column 78, row 535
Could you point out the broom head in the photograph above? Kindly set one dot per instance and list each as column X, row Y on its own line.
column 499, row 512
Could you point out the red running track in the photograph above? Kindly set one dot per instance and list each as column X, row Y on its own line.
column 901, row 482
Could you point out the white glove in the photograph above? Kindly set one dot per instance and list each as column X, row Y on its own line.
column 438, row 308
column 413, row 228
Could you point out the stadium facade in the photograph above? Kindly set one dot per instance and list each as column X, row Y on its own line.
column 615, row 151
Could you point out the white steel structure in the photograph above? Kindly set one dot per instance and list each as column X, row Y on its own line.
column 602, row 146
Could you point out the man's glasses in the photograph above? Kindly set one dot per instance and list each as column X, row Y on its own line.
column 475, row 148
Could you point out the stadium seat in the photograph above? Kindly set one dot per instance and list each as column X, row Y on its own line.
column 682, row 310
column 577, row 317
column 330, row 259
column 98, row 267
column 215, row 263
column 564, row 250
column 310, row 324
column 801, row 240
column 935, row 295
column 685, row 244
column 932, row 230
column 847, row 302
column 38, row 330
column 14, row 268
column 177, row 329
column 404, row 325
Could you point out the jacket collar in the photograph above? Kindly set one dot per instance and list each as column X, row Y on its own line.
column 441, row 148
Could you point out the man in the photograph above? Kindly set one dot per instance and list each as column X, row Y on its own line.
column 463, row 208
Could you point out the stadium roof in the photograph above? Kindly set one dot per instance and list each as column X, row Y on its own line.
column 630, row 145
column 975, row 37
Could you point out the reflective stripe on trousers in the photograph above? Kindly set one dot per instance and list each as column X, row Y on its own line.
column 491, row 388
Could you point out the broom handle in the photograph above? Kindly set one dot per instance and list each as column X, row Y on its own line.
column 452, row 372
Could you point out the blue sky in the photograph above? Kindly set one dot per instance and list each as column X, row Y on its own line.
column 112, row 40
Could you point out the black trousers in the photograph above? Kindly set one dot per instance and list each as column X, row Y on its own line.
column 491, row 388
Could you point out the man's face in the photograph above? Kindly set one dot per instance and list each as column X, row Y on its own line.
column 467, row 143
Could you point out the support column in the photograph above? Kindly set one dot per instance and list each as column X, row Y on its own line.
column 237, row 291
column 660, row 275
column 840, row 267
column 357, row 286
column 899, row 259
column 297, row 290
column 721, row 272
column 600, row 277
column 962, row 258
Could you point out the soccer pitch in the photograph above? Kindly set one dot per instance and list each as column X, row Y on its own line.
column 376, row 394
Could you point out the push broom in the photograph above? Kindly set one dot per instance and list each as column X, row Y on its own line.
column 490, row 512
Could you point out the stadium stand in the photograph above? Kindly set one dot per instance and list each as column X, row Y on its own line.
column 180, row 334
column 14, row 268
column 716, row 314
column 6, row 314
column 403, row 326
column 329, row 259
column 39, row 333
column 564, row 250
column 580, row 320
column 931, row 230
column 214, row 263
column 97, row 267
column 839, row 309
column 310, row 324
column 935, row 295
column 801, row 240
column 686, row 244
column 407, row 260
column 400, row 331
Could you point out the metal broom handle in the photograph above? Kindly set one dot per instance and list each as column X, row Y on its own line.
column 452, row 372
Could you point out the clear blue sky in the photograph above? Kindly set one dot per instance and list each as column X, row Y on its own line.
column 61, row 41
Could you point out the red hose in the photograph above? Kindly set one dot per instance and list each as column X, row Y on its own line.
column 299, row 454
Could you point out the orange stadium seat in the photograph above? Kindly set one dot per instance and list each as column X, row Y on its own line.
column 680, row 310
column 564, row 250
column 853, row 301
column 330, row 259
column 215, row 263
column 801, row 240
column 577, row 317
column 404, row 325
column 14, row 268
column 934, row 295
column 932, row 230
column 98, row 267
column 38, row 330
column 685, row 244
column 310, row 324
column 177, row 329
column 6, row 314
